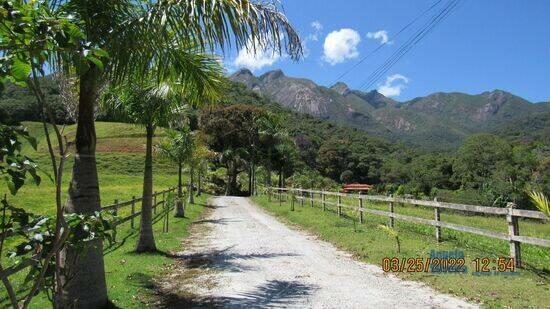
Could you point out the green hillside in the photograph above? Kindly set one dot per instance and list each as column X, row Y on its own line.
column 120, row 160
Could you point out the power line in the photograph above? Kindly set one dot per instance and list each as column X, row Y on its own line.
column 409, row 44
column 389, row 40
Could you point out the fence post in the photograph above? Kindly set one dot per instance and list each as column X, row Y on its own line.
column 513, row 230
column 116, row 214
column 269, row 194
column 392, row 221
column 323, row 198
column 166, row 211
column 311, row 198
column 155, row 203
column 133, row 211
column 339, row 207
column 292, row 202
column 437, row 219
column 360, row 209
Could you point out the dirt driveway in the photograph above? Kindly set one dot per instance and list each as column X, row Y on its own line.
column 246, row 258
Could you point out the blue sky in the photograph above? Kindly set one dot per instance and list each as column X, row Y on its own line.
column 481, row 46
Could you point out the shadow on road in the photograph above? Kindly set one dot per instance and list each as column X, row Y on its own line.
column 224, row 259
column 222, row 221
column 273, row 293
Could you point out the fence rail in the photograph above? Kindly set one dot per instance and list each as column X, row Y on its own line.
column 116, row 206
column 510, row 212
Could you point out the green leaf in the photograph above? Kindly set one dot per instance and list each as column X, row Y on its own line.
column 100, row 53
column 20, row 70
column 98, row 63
column 11, row 186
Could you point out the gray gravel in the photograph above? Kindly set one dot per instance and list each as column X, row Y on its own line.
column 249, row 259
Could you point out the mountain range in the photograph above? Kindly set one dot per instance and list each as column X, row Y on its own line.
column 437, row 121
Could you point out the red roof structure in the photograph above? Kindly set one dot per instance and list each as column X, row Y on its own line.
column 356, row 187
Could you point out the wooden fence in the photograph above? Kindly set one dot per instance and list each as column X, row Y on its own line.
column 116, row 206
column 511, row 214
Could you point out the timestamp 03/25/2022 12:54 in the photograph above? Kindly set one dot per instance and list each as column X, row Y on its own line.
column 451, row 262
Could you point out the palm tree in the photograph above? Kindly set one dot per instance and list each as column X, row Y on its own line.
column 125, row 40
column 154, row 104
column 178, row 148
column 199, row 155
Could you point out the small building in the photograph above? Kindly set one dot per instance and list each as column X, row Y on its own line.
column 356, row 188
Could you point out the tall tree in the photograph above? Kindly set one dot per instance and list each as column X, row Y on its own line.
column 125, row 40
column 200, row 154
column 233, row 132
column 178, row 147
column 154, row 104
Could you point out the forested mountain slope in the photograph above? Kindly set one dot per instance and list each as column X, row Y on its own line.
column 438, row 121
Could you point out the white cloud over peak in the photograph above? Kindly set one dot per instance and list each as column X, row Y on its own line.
column 255, row 59
column 381, row 35
column 341, row 45
column 394, row 85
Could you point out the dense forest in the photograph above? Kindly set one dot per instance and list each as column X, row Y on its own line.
column 488, row 168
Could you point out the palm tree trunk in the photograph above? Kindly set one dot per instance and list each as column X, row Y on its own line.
column 250, row 179
column 146, row 240
column 268, row 179
column 191, row 172
column 199, row 180
column 253, row 180
column 228, row 184
column 180, row 211
column 231, row 179
column 83, row 278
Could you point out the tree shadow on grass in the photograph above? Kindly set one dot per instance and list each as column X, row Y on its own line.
column 119, row 243
column 273, row 293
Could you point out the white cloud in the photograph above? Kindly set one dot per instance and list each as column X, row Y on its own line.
column 317, row 25
column 312, row 37
column 255, row 59
column 394, row 85
column 381, row 35
column 341, row 45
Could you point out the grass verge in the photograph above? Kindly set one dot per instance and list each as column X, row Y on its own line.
column 130, row 276
column 527, row 288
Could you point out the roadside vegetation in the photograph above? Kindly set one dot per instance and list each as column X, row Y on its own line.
column 144, row 49
column 121, row 177
column 367, row 242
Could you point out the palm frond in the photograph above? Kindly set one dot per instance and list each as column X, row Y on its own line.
column 158, row 32
column 540, row 201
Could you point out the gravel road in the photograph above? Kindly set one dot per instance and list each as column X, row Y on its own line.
column 247, row 258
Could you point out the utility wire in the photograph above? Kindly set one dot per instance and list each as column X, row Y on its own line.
column 407, row 46
column 390, row 39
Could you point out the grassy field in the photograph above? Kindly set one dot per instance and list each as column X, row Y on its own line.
column 120, row 159
column 527, row 288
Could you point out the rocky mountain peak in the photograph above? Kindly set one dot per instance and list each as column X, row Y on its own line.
column 341, row 88
column 242, row 73
column 272, row 75
column 442, row 118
